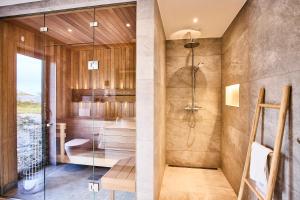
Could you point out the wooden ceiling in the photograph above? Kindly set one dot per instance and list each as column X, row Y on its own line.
column 73, row 27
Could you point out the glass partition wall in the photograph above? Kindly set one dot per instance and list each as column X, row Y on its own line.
column 75, row 83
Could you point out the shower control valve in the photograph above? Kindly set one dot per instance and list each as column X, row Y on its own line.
column 192, row 109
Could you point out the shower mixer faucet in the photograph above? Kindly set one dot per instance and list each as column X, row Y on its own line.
column 192, row 108
column 191, row 45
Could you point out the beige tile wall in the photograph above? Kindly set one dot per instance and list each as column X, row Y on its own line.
column 150, row 100
column 198, row 146
column 261, row 48
column 145, row 100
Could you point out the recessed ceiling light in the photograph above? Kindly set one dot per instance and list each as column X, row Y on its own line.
column 128, row 25
column 195, row 20
column 70, row 30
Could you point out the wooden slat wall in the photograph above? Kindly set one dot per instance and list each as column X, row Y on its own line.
column 8, row 173
column 116, row 71
column 113, row 29
column 60, row 57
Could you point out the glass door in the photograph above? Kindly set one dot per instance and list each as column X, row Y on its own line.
column 114, row 100
column 75, row 101
column 69, row 50
column 25, row 56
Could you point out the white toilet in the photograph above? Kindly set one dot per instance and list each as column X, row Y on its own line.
column 75, row 145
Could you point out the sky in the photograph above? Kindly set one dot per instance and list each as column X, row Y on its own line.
column 29, row 74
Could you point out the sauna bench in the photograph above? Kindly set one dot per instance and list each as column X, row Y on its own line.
column 99, row 158
column 121, row 177
column 115, row 142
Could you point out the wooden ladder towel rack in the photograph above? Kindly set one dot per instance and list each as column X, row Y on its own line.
column 283, row 108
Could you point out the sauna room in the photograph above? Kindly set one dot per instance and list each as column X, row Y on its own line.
column 73, row 74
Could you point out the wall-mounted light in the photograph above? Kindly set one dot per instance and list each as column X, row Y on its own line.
column 195, row 20
column 232, row 95
column 70, row 30
column 128, row 25
column 22, row 38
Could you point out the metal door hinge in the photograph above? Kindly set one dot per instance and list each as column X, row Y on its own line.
column 94, row 187
column 93, row 64
column 44, row 29
column 94, row 24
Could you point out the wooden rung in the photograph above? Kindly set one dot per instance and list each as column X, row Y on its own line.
column 252, row 186
column 266, row 105
column 274, row 166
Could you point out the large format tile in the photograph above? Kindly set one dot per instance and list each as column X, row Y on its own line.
column 193, row 139
column 204, row 159
column 204, row 137
column 208, row 99
column 265, row 38
column 195, row 184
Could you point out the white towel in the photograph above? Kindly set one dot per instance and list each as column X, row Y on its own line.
column 84, row 110
column 259, row 165
column 101, row 139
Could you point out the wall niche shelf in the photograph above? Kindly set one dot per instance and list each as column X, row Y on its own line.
column 103, row 95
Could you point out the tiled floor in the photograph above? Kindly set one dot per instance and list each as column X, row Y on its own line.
column 195, row 184
column 69, row 182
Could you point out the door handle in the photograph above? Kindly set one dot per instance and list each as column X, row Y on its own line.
column 49, row 124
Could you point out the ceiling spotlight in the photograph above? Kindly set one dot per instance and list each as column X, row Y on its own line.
column 195, row 20
column 128, row 25
column 70, row 30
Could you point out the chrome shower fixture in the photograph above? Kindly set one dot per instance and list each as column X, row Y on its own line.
column 191, row 45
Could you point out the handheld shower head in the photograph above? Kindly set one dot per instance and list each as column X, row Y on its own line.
column 200, row 64
column 197, row 67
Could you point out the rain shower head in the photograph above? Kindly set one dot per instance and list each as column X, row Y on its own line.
column 191, row 44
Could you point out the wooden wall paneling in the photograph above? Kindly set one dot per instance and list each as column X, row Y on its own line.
column 116, row 67
column 38, row 45
column 127, row 68
column 8, row 108
column 67, row 81
column 99, row 56
column 63, row 91
column 59, row 81
column 113, row 28
column 11, row 106
column 112, row 64
column 81, row 74
column 74, row 70
column 1, row 118
column 116, row 70
column 123, row 65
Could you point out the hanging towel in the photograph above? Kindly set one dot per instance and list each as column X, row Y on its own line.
column 259, row 165
column 101, row 139
column 84, row 109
